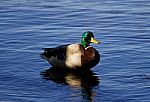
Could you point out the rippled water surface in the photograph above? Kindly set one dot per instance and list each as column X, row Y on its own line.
column 123, row 27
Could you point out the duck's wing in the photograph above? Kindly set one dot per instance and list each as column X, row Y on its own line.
column 58, row 52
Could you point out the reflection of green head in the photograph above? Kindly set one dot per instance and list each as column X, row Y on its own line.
column 88, row 38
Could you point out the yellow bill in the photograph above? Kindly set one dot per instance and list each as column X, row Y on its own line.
column 93, row 40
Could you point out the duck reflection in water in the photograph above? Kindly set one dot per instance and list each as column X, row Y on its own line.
column 85, row 79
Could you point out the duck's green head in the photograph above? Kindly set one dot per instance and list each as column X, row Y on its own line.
column 88, row 38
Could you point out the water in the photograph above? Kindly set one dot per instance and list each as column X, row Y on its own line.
column 122, row 26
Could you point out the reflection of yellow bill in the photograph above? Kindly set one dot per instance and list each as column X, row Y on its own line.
column 93, row 40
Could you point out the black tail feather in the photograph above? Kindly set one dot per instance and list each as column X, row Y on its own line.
column 48, row 52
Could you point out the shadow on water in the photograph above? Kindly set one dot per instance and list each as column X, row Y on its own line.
column 85, row 80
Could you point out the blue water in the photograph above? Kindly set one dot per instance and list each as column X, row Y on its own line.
column 122, row 26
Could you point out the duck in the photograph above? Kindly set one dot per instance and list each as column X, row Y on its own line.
column 74, row 56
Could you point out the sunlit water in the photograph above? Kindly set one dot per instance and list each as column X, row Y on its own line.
column 123, row 74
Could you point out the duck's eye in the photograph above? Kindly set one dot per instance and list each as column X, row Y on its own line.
column 87, row 38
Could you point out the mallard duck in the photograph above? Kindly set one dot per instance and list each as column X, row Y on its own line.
column 74, row 56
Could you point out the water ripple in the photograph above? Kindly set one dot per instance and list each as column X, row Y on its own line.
column 121, row 26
